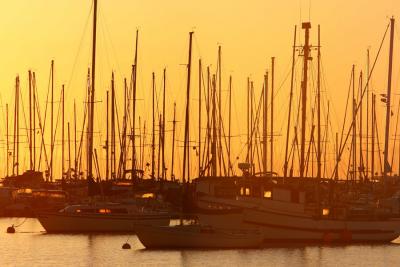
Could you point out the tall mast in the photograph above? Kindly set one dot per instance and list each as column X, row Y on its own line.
column 306, row 54
column 163, row 174
column 16, row 129
column 272, row 113
column 367, row 120
column 214, row 129
column 220, row 109
column 265, row 124
column 91, row 102
column 159, row 145
column 229, row 126
column 34, row 119
column 199, row 145
column 373, row 136
column 248, row 121
column 52, row 121
column 173, row 144
column 354, row 139
column 30, row 122
column 360, row 110
column 319, row 108
column 134, row 68
column 285, row 166
column 153, row 129
column 251, row 126
column 107, row 147
column 69, row 152
column 124, row 133
column 387, row 167
column 62, row 133
column 113, row 152
column 8, row 148
column 75, row 148
column 208, row 120
column 186, row 142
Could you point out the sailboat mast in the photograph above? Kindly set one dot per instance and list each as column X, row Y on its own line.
column 34, row 119
column 113, row 162
column 30, row 122
column 52, row 122
column 134, row 69
column 186, row 142
column 373, row 136
column 220, row 110
column 107, row 147
column 319, row 108
column 8, row 148
column 229, row 126
column 163, row 174
column 265, row 124
column 354, row 139
column 69, row 152
column 272, row 113
column 91, row 102
column 285, row 166
column 199, row 142
column 75, row 145
column 16, row 129
column 153, row 129
column 173, row 144
column 387, row 167
column 306, row 54
column 62, row 133
column 367, row 121
column 214, row 130
column 360, row 110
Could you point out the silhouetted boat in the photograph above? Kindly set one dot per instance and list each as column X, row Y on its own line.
column 196, row 236
column 102, row 217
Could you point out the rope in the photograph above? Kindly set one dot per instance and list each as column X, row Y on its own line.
column 15, row 226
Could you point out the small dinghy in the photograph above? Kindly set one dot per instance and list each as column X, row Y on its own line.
column 196, row 236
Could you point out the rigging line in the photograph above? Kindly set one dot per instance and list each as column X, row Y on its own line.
column 79, row 47
column 106, row 33
column 364, row 90
column 43, row 144
column 41, row 126
column 345, row 111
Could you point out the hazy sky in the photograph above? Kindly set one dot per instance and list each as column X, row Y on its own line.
column 32, row 33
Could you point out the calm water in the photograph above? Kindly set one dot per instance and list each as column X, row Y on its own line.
column 31, row 246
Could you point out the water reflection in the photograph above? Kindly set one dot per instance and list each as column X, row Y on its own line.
column 32, row 245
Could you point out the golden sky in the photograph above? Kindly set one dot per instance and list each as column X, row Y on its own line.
column 32, row 33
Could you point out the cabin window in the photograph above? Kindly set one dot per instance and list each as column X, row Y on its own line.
column 267, row 194
column 104, row 211
column 247, row 191
column 78, row 211
column 325, row 212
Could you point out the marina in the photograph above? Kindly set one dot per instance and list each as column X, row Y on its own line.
column 287, row 157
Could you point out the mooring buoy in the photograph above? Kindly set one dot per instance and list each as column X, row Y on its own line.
column 11, row 229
